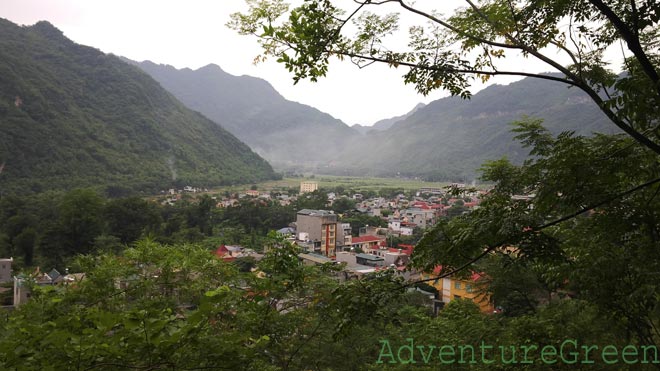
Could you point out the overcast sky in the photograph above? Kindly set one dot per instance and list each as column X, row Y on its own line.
column 193, row 34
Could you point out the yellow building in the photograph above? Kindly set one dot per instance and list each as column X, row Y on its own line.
column 471, row 288
column 306, row 187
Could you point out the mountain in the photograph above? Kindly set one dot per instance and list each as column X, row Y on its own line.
column 72, row 116
column 450, row 138
column 286, row 133
column 362, row 129
column 387, row 123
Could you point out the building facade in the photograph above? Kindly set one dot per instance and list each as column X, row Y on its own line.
column 306, row 187
column 321, row 228
column 5, row 270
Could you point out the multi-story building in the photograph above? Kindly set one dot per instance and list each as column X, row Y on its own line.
column 306, row 187
column 5, row 270
column 344, row 237
column 321, row 228
column 471, row 288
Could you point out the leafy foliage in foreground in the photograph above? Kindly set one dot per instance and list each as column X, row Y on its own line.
column 176, row 307
column 71, row 116
column 609, row 229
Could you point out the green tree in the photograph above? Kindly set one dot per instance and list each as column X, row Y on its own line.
column 474, row 42
column 129, row 218
column 342, row 205
column 317, row 200
column 589, row 212
column 81, row 220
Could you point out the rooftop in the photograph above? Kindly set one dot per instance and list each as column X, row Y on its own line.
column 370, row 257
column 315, row 212
column 364, row 239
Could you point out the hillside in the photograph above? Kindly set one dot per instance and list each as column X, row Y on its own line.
column 72, row 116
column 450, row 138
column 289, row 135
column 385, row 124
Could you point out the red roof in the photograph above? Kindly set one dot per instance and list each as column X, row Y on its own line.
column 364, row 239
column 221, row 251
column 473, row 277
column 422, row 205
column 406, row 249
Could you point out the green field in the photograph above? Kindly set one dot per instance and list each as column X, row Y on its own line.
column 329, row 181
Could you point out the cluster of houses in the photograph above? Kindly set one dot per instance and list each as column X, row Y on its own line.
column 324, row 238
column 22, row 283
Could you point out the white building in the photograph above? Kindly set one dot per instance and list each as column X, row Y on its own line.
column 5, row 270
column 306, row 187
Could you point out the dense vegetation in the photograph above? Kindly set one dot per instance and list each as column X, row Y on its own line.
column 51, row 228
column 450, row 138
column 176, row 307
column 286, row 133
column 71, row 116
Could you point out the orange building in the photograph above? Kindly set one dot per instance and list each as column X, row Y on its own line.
column 471, row 288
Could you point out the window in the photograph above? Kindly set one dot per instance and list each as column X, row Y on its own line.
column 457, row 285
column 468, row 288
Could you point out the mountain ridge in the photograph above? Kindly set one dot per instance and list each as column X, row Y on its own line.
column 450, row 138
column 250, row 108
column 73, row 116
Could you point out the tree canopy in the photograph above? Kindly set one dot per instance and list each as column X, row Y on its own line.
column 475, row 42
column 582, row 212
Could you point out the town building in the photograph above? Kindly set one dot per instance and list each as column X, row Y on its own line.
column 319, row 227
column 306, row 187
column 5, row 270
column 471, row 288
column 344, row 237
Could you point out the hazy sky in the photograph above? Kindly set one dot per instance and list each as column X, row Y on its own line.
column 193, row 34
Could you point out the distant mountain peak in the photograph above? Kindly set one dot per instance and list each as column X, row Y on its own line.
column 72, row 116
column 388, row 123
column 284, row 132
column 211, row 67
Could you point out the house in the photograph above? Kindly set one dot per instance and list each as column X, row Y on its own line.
column 344, row 237
column 394, row 224
column 423, row 217
column 5, row 270
column 472, row 288
column 407, row 229
column 286, row 231
column 369, row 260
column 320, row 227
column 22, row 283
column 252, row 193
column 306, row 187
column 230, row 252
column 365, row 243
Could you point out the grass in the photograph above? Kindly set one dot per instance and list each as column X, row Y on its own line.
column 330, row 181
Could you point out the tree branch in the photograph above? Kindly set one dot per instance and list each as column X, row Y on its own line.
column 582, row 84
column 632, row 40
column 457, row 30
column 465, row 71
column 537, row 229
